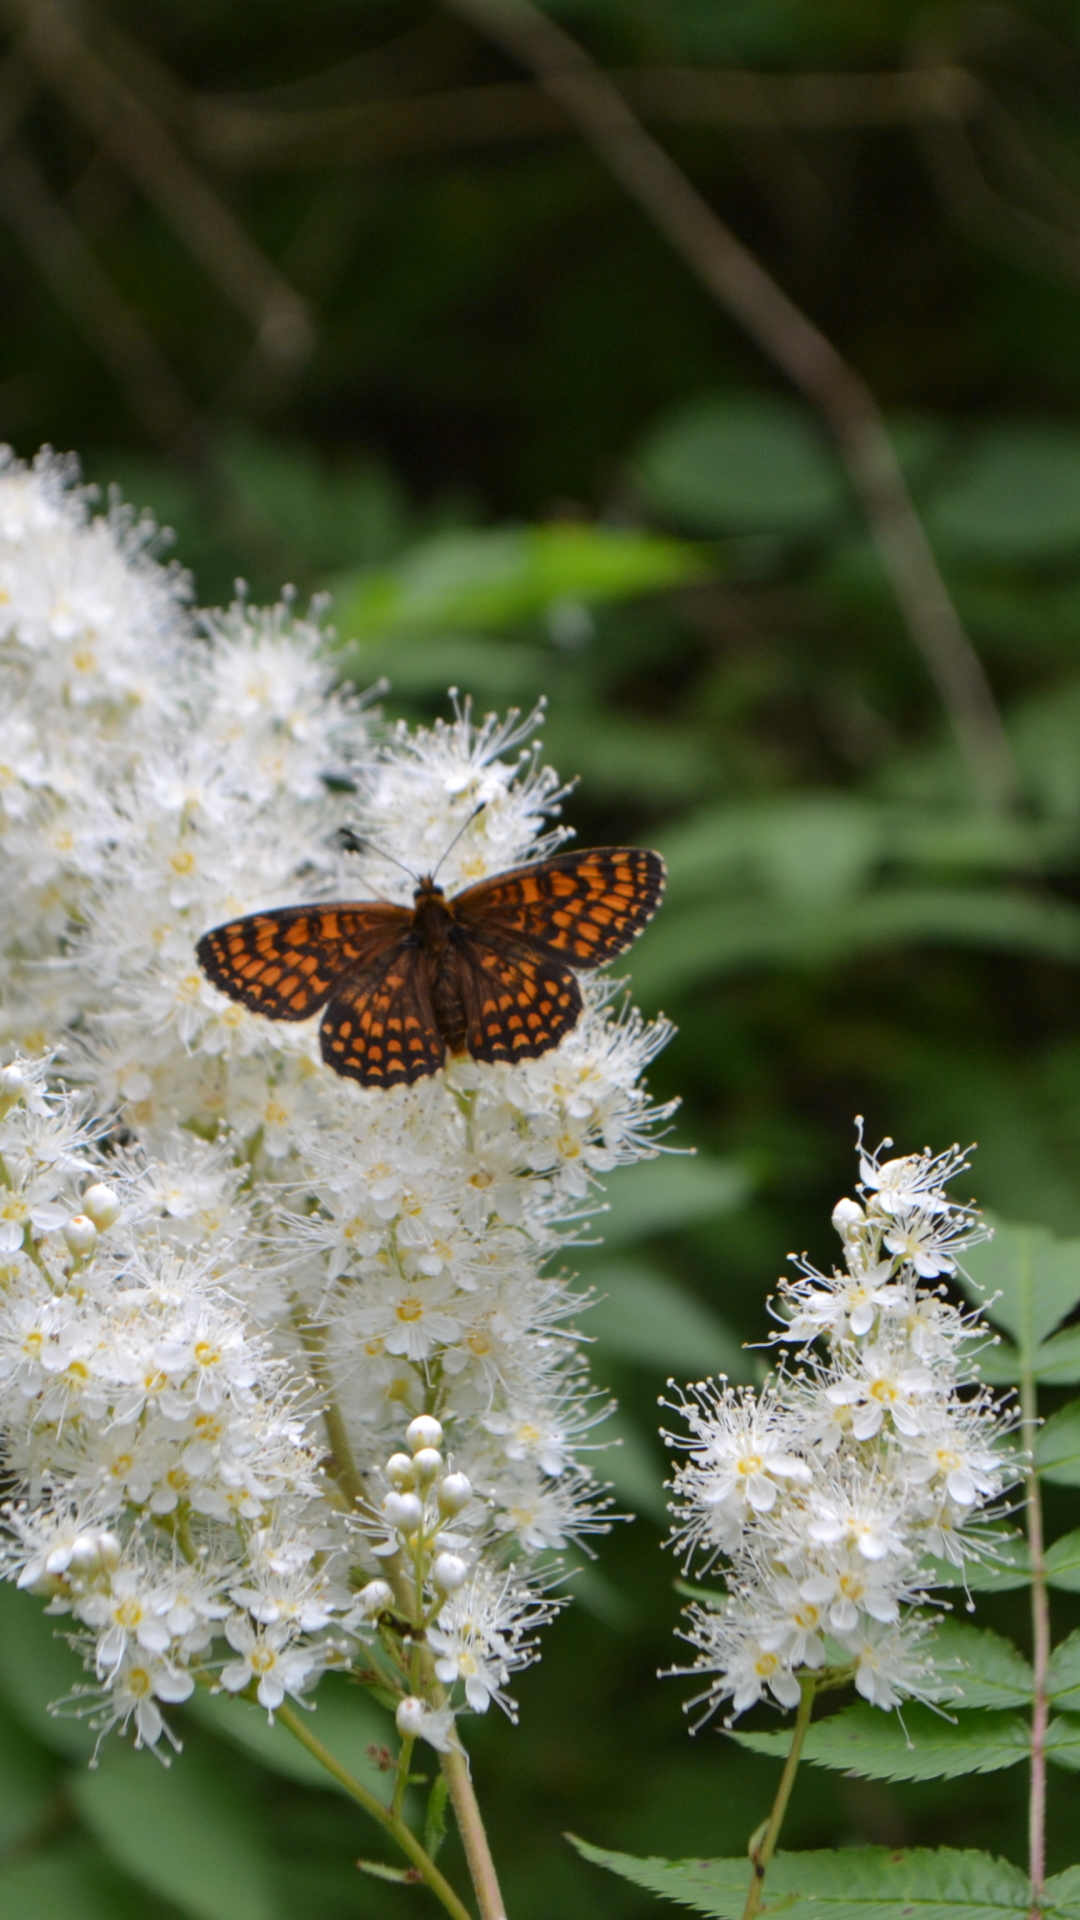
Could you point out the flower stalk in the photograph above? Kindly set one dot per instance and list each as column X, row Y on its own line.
column 1040, row 1638
column 763, row 1845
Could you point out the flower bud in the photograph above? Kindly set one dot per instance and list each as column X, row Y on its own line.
column 101, row 1205
column 428, row 1462
column 449, row 1572
column 410, row 1717
column 847, row 1214
column 455, row 1493
column 399, row 1472
column 424, row 1431
column 403, row 1510
column 13, row 1084
column 376, row 1598
column 80, row 1234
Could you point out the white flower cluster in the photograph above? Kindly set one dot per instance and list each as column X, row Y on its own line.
column 831, row 1490
column 364, row 1258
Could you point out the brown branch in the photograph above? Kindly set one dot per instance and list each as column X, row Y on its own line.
column 141, row 146
column 52, row 241
column 737, row 280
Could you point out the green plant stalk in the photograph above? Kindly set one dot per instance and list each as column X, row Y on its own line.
column 393, row 1824
column 763, row 1851
column 1040, row 1648
column 474, row 1838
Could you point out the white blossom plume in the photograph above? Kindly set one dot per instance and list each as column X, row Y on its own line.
column 874, row 1451
column 301, row 1388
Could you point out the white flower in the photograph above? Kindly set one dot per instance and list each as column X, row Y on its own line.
column 267, row 1656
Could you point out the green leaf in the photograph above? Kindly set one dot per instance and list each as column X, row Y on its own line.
column 28, row 1784
column 1063, row 1563
column 70, row 1882
column 435, row 1816
column 633, row 1467
column 742, row 462
column 345, row 1719
column 1063, row 1741
column 185, row 1832
column 857, row 1883
column 1061, row 1894
column 665, row 1194
column 989, row 1671
column 643, row 1316
column 493, row 577
column 1063, row 1674
column 1010, row 1568
column 1057, row 1447
column 1018, row 497
column 38, row 1667
column 871, row 1745
column 1057, row 1362
column 1036, row 1279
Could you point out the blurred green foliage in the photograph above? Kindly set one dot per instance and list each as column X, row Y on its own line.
column 530, row 458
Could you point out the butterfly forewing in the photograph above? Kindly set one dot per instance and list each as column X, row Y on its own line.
column 583, row 908
column 380, row 1026
column 517, row 1003
column 287, row 964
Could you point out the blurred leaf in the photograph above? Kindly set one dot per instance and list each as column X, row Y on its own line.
column 683, row 948
column 1057, row 1361
column 633, row 1466
column 185, row 1832
column 502, row 671
column 70, row 1882
column 345, row 1719
column 645, row 1317
column 1025, row 1280
column 742, row 462
column 501, row 576
column 872, row 1745
column 625, row 755
column 37, row 1667
column 27, row 1785
column 1063, row 1563
column 1057, row 1447
column 856, row 1883
column 1017, row 497
column 989, row 1671
column 666, row 1194
column 1063, row 1674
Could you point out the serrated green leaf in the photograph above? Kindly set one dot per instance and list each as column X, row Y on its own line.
column 1063, row 1563
column 1035, row 1277
column 987, row 1669
column 742, row 462
column 38, row 1667
column 1063, row 1674
column 1057, row 1447
column 345, row 1719
column 1061, row 1895
column 872, row 1745
column 662, row 1195
column 859, row 1883
column 185, row 1832
column 1063, row 1741
column 643, row 1316
column 1057, row 1361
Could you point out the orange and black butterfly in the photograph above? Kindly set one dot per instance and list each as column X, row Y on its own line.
column 489, row 972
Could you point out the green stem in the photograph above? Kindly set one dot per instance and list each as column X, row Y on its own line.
column 1040, row 1637
column 474, row 1838
column 762, row 1852
column 392, row 1822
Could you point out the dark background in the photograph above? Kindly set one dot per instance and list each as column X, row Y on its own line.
column 285, row 275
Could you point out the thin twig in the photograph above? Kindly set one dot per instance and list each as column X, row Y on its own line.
column 739, row 282
column 405, row 1838
column 1040, row 1635
column 139, row 143
column 52, row 241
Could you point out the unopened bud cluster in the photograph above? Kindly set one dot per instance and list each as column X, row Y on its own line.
column 828, row 1496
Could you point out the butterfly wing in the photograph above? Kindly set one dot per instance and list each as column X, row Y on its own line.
column 380, row 1026
column 517, row 1002
column 582, row 909
column 287, row 964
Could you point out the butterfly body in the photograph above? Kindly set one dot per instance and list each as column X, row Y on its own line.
column 490, row 971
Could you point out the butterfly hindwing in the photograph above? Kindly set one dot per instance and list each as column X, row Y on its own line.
column 581, row 908
column 517, row 1002
column 380, row 1026
column 286, row 964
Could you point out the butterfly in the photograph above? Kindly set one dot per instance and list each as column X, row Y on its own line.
column 491, row 971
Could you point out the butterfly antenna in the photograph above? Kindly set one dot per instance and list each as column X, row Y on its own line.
column 462, row 829
column 352, row 842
